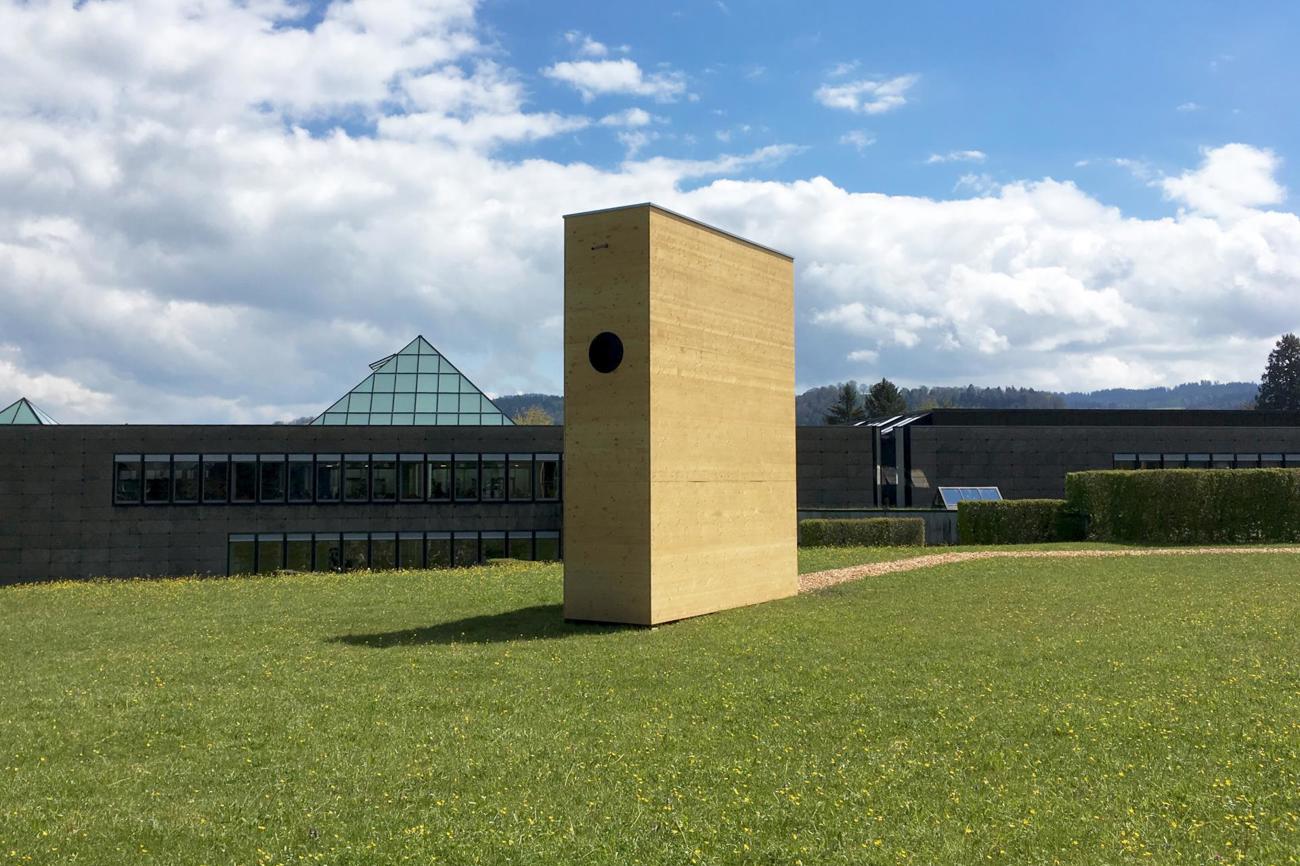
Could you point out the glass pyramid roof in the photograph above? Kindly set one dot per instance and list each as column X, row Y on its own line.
column 21, row 411
column 415, row 386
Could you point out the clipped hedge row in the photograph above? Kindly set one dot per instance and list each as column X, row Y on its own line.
column 863, row 532
column 1017, row 521
column 1188, row 506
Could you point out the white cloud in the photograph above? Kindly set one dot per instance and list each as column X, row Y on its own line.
column 176, row 245
column 584, row 46
column 593, row 78
column 858, row 138
column 982, row 183
column 864, row 356
column 843, row 68
column 1189, row 106
column 1233, row 180
column 629, row 117
column 956, row 156
column 867, row 96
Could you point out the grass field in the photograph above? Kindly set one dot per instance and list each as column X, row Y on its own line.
column 1071, row 711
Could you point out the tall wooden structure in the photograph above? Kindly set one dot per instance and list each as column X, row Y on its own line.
column 679, row 436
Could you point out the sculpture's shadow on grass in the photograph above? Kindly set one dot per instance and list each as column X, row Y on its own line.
column 540, row 622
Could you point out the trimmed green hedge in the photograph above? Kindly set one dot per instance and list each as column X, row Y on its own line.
column 1016, row 521
column 1188, row 506
column 863, row 532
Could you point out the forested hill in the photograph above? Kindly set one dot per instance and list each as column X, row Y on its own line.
column 1192, row 395
column 811, row 405
column 516, row 403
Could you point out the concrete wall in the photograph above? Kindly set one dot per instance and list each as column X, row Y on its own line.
column 606, row 415
column 722, row 459
column 681, row 461
column 836, row 467
column 58, row 520
column 1031, row 462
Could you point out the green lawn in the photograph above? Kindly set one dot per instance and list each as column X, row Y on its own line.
column 1072, row 711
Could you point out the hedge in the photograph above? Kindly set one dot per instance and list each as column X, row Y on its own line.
column 863, row 532
column 1188, row 506
column 1016, row 521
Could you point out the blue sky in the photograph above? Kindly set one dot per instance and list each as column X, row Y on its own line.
column 221, row 211
column 1037, row 87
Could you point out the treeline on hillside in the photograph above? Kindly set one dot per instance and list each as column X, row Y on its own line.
column 516, row 403
column 1191, row 395
column 811, row 405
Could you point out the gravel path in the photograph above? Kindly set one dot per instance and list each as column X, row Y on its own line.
column 821, row 579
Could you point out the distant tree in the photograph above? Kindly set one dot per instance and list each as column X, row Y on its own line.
column 304, row 420
column 847, row 408
column 533, row 416
column 1279, row 389
column 884, row 398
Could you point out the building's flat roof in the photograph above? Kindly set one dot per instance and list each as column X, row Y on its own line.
column 1109, row 418
column 673, row 213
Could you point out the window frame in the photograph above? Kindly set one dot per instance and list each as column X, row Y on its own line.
column 165, row 459
column 365, row 474
column 432, row 460
column 403, row 462
column 125, row 460
column 237, row 460
column 206, row 460
column 271, row 461
column 456, row 463
column 300, row 460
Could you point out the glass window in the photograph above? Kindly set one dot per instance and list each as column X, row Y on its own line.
column 126, row 479
column 216, row 477
column 494, row 545
column 1247, row 461
column 329, row 552
column 1291, row 461
column 356, row 478
column 297, row 551
column 356, row 551
column 185, row 478
column 329, row 477
column 1174, row 461
column 439, row 477
column 548, row 476
column 157, row 478
column 464, row 549
column 548, row 546
column 1223, row 461
column 300, row 474
column 241, row 554
column 410, row 550
column 1124, row 461
column 383, row 551
column 437, row 549
column 244, row 469
column 494, row 477
column 384, row 486
column 411, row 477
column 1198, row 461
column 270, row 552
column 1149, row 461
column 466, row 477
column 271, row 477
column 521, row 545
column 1270, row 461
column 521, row 477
